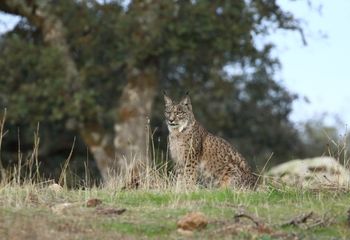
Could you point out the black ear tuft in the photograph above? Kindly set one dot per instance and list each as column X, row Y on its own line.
column 164, row 93
column 187, row 93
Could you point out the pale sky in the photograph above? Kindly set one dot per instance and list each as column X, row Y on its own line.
column 318, row 71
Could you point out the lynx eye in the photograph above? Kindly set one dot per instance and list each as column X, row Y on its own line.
column 180, row 113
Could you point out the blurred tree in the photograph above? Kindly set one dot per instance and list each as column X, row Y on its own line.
column 321, row 138
column 96, row 65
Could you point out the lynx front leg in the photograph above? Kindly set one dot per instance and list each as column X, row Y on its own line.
column 190, row 172
column 190, row 175
column 187, row 174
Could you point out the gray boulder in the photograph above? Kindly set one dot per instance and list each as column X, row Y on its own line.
column 312, row 172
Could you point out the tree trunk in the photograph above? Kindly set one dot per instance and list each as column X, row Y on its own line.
column 131, row 128
column 101, row 148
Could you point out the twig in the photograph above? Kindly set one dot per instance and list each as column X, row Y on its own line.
column 237, row 226
column 244, row 215
column 318, row 222
column 298, row 220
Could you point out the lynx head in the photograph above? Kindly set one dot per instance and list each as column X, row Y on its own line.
column 178, row 115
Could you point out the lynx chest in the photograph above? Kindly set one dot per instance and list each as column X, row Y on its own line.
column 183, row 146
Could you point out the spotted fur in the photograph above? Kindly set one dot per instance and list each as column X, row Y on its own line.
column 199, row 154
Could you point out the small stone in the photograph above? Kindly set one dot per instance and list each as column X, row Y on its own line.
column 192, row 221
column 93, row 202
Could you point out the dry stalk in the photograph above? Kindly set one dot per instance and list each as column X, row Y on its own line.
column 2, row 134
column 19, row 157
column 62, row 178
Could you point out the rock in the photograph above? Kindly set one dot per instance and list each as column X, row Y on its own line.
column 93, row 202
column 62, row 208
column 55, row 187
column 312, row 172
column 192, row 221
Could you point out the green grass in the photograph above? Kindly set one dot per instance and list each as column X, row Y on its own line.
column 26, row 212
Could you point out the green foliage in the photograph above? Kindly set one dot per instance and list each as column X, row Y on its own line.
column 190, row 43
column 30, row 76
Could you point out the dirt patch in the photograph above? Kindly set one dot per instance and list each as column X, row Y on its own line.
column 109, row 211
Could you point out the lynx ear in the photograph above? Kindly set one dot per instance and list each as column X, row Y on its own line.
column 187, row 101
column 167, row 99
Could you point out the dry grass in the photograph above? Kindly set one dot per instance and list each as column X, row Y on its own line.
column 33, row 211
